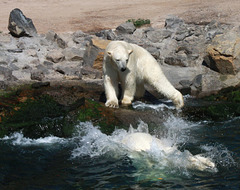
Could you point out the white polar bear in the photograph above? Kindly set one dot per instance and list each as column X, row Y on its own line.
column 145, row 142
column 133, row 66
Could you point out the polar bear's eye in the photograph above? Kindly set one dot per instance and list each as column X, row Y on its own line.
column 117, row 60
column 126, row 60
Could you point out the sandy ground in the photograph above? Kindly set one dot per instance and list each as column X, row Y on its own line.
column 94, row 15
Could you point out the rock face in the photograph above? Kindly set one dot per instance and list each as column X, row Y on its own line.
column 19, row 25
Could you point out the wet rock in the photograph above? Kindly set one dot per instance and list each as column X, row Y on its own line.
column 19, row 25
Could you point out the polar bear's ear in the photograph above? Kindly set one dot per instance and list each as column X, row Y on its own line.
column 109, row 53
column 130, row 51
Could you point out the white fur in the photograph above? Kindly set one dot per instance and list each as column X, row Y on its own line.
column 144, row 142
column 133, row 66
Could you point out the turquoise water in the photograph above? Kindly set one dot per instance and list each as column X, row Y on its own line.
column 93, row 160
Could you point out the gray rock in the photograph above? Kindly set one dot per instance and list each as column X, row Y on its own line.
column 6, row 74
column 90, row 55
column 48, row 64
column 61, row 43
column 106, row 34
column 74, row 54
column 89, row 72
column 158, row 35
column 172, row 22
column 19, row 25
column 79, row 36
column 126, row 28
column 153, row 51
column 69, row 69
column 50, row 36
column 55, row 56
column 37, row 74
column 22, row 75
column 185, row 83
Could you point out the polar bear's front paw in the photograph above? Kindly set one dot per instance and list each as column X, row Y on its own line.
column 178, row 101
column 112, row 104
column 126, row 101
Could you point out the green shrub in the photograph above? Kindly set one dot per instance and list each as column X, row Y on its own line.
column 139, row 22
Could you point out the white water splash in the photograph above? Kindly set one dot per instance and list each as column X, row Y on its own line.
column 19, row 139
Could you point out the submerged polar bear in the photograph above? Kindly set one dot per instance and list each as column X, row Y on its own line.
column 133, row 66
column 145, row 142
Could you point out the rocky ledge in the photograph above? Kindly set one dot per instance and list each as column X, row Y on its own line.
column 198, row 59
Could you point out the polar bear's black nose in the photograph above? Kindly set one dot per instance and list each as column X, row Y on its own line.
column 123, row 69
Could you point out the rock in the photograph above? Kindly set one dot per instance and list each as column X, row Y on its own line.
column 48, row 64
column 6, row 74
column 89, row 72
column 210, row 83
column 90, row 55
column 61, row 43
column 69, row 69
column 19, row 25
column 172, row 22
column 53, row 37
column 37, row 85
column 106, row 34
column 154, row 51
column 22, row 75
column 224, row 53
column 73, row 54
column 55, row 56
column 37, row 74
column 158, row 35
column 126, row 28
column 79, row 36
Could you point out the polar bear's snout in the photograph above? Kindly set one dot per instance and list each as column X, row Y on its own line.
column 123, row 69
column 122, row 65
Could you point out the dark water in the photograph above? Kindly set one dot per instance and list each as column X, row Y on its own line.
column 93, row 160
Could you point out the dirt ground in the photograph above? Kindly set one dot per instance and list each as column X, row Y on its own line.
column 94, row 15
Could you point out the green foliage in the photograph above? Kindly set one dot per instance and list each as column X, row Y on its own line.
column 139, row 22
column 230, row 94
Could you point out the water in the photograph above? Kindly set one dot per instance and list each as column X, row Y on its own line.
column 93, row 160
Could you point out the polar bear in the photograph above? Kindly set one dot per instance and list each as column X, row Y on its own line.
column 133, row 66
column 139, row 142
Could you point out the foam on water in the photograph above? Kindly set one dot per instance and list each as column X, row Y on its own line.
column 18, row 139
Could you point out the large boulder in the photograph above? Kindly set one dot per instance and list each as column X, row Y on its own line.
column 19, row 25
column 224, row 53
column 126, row 28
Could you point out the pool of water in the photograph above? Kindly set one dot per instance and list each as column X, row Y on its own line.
column 94, row 160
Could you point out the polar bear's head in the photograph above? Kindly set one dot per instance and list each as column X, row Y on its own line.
column 120, row 55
